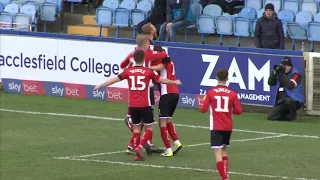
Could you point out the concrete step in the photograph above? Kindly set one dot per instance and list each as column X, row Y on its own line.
column 89, row 30
column 89, row 19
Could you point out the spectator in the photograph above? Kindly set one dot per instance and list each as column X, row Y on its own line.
column 157, row 17
column 289, row 96
column 269, row 30
column 179, row 15
column 228, row 5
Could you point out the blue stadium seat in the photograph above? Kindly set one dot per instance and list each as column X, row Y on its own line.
column 297, row 30
column 122, row 15
column 139, row 14
column 31, row 11
column 1, row 7
column 255, row 4
column 48, row 14
column 231, row 16
column 22, row 22
column 313, row 30
column 286, row 16
column 5, row 2
column 253, row 26
column 212, row 10
column 260, row 13
column 195, row 1
column 12, row 8
column 103, row 17
column 17, row 2
column 6, row 20
column 277, row 4
column 35, row 4
column 57, row 3
column 206, row 21
column 292, row 5
column 224, row 26
column 112, row 4
column 309, row 5
column 242, row 24
column 196, row 10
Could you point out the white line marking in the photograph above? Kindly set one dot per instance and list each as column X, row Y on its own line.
column 121, row 119
column 191, row 145
column 183, row 168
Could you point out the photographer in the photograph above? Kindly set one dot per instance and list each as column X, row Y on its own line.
column 290, row 96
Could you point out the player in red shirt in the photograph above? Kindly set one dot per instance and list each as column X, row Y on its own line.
column 167, row 105
column 143, row 43
column 139, row 79
column 223, row 102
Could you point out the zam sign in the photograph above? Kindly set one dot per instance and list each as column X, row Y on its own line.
column 248, row 73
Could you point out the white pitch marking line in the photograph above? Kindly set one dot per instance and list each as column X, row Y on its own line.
column 119, row 119
column 183, row 168
column 191, row 145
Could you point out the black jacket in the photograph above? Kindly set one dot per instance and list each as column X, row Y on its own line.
column 158, row 13
column 183, row 5
column 269, row 33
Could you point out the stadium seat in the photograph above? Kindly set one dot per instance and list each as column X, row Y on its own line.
column 286, row 16
column 255, row 4
column 309, row 5
column 17, row 2
column 195, row 1
column 212, row 10
column 57, row 3
column 260, row 13
column 139, row 14
column 297, row 30
column 35, row 4
column 122, row 15
column 103, row 17
column 313, row 30
column 196, row 10
column 31, row 12
column 253, row 26
column 242, row 24
column 231, row 16
column 206, row 21
column 12, row 8
column 277, row 4
column 22, row 22
column 48, row 14
column 6, row 20
column 1, row 7
column 112, row 4
column 292, row 5
column 5, row 2
column 224, row 26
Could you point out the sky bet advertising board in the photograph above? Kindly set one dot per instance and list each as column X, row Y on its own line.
column 71, row 68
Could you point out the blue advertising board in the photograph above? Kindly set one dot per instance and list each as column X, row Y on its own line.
column 248, row 72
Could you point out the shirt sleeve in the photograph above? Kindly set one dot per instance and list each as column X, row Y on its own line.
column 295, row 80
column 206, row 102
column 126, row 62
column 154, row 76
column 123, row 75
column 156, row 55
column 237, row 108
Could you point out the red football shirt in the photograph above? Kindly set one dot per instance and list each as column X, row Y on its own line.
column 222, row 102
column 139, row 80
column 168, row 72
column 150, row 56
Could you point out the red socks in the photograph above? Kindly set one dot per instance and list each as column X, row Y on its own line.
column 172, row 131
column 146, row 136
column 225, row 159
column 221, row 169
column 165, row 137
column 136, row 139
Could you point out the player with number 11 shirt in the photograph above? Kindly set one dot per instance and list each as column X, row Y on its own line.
column 223, row 102
column 139, row 79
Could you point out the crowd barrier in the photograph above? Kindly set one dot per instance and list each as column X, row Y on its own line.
column 70, row 66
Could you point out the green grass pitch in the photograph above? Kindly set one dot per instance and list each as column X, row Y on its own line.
column 48, row 138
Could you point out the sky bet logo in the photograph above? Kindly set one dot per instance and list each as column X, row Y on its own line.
column 33, row 88
column 96, row 95
column 12, row 86
column 187, row 100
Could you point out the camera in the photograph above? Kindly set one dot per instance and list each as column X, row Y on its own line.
column 278, row 68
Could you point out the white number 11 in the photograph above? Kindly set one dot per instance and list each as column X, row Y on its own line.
column 219, row 104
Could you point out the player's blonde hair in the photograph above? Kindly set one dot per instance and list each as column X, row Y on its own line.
column 142, row 39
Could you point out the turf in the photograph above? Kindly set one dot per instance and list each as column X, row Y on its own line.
column 30, row 143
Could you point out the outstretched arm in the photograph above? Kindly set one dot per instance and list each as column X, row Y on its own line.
column 158, row 67
column 167, row 81
column 108, row 83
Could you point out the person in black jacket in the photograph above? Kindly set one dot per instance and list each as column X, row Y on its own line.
column 157, row 16
column 269, row 31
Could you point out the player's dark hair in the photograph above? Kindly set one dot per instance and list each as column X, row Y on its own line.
column 138, row 56
column 222, row 74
